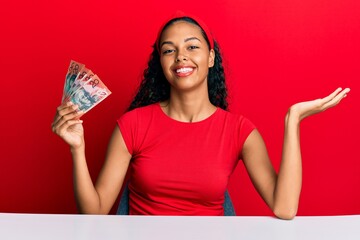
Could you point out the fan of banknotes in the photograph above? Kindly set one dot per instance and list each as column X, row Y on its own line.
column 83, row 88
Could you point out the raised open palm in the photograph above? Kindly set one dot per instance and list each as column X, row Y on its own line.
column 308, row 108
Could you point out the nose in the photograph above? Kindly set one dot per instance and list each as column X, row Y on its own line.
column 181, row 56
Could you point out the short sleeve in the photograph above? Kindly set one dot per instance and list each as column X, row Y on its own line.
column 127, row 124
column 246, row 127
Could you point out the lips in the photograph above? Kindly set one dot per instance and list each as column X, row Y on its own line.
column 183, row 71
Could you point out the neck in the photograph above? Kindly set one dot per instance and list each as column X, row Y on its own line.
column 189, row 107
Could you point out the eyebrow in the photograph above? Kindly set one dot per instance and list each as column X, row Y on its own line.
column 186, row 40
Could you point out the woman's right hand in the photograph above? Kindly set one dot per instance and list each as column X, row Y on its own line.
column 68, row 126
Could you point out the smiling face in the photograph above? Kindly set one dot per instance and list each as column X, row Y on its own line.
column 184, row 55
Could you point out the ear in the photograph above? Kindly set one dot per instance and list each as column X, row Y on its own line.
column 211, row 58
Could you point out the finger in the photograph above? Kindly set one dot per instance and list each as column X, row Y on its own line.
column 337, row 99
column 65, row 105
column 62, row 129
column 331, row 96
column 66, row 118
column 61, row 108
column 63, row 111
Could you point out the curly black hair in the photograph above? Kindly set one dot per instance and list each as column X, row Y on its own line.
column 155, row 88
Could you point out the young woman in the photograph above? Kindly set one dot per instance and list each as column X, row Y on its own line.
column 181, row 141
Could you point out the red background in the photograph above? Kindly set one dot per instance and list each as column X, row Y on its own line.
column 276, row 52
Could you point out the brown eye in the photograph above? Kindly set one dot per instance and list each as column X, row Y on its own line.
column 193, row 47
column 167, row 51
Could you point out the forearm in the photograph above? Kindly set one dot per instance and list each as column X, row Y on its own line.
column 87, row 198
column 288, row 184
column 281, row 191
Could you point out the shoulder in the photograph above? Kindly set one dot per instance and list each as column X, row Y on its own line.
column 133, row 125
column 235, row 118
column 139, row 112
column 238, row 124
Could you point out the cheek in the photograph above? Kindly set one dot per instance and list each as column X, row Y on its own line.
column 164, row 62
column 202, row 60
column 204, row 65
column 165, row 66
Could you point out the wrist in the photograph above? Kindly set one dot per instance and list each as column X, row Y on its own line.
column 292, row 117
column 76, row 150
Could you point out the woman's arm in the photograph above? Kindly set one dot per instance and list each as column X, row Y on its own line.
column 100, row 198
column 92, row 199
column 281, row 191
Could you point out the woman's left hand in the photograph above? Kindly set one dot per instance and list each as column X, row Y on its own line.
column 305, row 109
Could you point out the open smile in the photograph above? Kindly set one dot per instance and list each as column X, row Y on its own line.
column 184, row 71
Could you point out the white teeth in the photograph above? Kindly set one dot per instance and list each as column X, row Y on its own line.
column 184, row 70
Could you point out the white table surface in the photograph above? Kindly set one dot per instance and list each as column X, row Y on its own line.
column 52, row 226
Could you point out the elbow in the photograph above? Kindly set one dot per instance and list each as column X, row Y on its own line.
column 92, row 212
column 285, row 214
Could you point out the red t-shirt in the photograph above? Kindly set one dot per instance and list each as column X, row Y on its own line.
column 181, row 168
